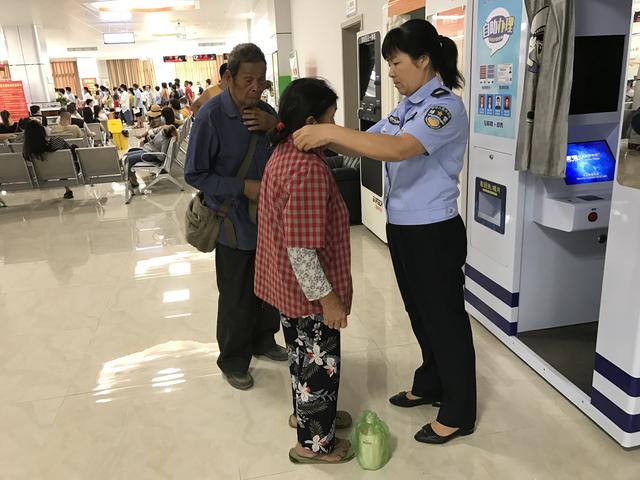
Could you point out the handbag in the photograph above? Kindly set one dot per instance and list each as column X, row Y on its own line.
column 202, row 224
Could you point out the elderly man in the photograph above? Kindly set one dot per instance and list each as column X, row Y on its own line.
column 219, row 141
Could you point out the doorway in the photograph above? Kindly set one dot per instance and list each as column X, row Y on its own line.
column 350, row 30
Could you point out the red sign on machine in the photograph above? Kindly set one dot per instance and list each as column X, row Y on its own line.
column 12, row 98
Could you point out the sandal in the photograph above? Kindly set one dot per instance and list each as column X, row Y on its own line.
column 343, row 420
column 296, row 458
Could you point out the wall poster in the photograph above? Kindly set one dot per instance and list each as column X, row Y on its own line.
column 496, row 69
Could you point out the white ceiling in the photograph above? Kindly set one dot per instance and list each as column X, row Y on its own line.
column 72, row 23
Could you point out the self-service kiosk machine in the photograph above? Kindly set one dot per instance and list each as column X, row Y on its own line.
column 553, row 268
column 370, row 113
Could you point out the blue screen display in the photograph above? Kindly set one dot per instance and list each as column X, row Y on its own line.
column 589, row 162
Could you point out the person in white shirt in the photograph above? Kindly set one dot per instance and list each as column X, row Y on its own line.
column 87, row 94
column 146, row 97
column 125, row 106
column 71, row 98
column 138, row 106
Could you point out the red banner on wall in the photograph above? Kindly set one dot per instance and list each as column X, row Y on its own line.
column 12, row 98
column 90, row 83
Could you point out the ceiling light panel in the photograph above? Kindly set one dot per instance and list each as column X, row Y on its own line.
column 144, row 6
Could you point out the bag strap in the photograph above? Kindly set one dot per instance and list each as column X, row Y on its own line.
column 242, row 173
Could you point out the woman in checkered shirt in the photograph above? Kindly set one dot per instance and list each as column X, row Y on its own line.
column 303, row 268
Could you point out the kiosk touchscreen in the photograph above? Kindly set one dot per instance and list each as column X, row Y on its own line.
column 589, row 162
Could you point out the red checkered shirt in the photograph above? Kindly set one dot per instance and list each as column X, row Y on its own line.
column 300, row 206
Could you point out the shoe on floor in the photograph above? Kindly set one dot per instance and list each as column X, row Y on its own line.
column 276, row 353
column 68, row 195
column 427, row 435
column 241, row 381
column 296, row 458
column 401, row 400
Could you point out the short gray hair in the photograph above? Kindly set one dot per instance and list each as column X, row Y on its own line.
column 244, row 53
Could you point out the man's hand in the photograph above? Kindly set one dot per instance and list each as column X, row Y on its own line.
column 256, row 119
column 252, row 189
column 334, row 312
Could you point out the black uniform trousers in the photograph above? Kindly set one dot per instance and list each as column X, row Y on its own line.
column 246, row 324
column 428, row 261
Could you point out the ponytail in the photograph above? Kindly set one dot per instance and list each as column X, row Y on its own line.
column 419, row 37
column 447, row 64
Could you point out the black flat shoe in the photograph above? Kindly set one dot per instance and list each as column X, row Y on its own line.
column 401, row 400
column 427, row 435
column 241, row 381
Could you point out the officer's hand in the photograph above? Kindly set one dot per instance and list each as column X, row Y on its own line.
column 311, row 136
column 252, row 189
column 334, row 312
column 256, row 119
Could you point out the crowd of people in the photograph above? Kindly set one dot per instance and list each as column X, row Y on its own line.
column 153, row 115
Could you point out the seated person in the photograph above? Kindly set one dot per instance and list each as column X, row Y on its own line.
column 99, row 114
column 7, row 126
column 158, row 142
column 76, row 119
column 63, row 109
column 66, row 127
column 175, row 105
column 184, row 108
column 87, row 115
column 36, row 114
column 37, row 143
column 154, row 115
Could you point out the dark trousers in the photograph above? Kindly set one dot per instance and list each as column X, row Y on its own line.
column 314, row 364
column 134, row 156
column 428, row 261
column 246, row 324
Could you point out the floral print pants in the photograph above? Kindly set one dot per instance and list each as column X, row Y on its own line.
column 314, row 363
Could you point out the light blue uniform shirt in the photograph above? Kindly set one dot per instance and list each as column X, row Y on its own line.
column 424, row 189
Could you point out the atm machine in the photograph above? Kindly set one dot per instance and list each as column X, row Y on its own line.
column 370, row 113
column 553, row 268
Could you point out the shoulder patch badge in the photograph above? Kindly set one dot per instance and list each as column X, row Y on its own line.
column 393, row 120
column 439, row 92
column 437, row 117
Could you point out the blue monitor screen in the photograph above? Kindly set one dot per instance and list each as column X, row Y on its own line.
column 589, row 162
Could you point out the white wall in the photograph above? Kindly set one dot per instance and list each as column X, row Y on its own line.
column 317, row 36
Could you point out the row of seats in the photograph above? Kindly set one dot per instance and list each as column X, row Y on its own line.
column 58, row 169
column 97, row 164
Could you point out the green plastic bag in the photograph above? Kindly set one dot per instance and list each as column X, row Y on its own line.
column 371, row 441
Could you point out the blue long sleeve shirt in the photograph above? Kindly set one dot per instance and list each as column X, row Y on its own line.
column 218, row 143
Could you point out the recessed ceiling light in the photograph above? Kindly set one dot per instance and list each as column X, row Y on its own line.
column 144, row 5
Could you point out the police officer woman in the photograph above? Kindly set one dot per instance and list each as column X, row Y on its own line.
column 423, row 142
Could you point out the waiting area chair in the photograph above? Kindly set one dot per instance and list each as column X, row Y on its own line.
column 57, row 169
column 14, row 174
column 160, row 171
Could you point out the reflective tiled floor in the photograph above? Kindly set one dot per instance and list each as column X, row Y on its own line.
column 107, row 364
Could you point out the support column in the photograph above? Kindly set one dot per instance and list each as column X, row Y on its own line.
column 280, row 12
column 29, row 62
